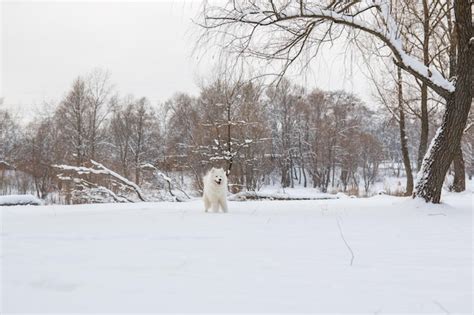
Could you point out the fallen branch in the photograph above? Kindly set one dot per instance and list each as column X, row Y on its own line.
column 253, row 195
column 101, row 170
column 92, row 187
column 441, row 307
column 121, row 179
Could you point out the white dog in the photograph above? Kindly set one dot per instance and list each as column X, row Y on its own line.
column 215, row 190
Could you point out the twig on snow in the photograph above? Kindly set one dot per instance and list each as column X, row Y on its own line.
column 344, row 239
column 441, row 307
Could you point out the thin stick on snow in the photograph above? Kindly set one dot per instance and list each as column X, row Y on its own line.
column 441, row 306
column 344, row 239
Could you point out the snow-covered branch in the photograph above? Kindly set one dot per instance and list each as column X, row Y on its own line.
column 88, row 190
column 121, row 179
column 102, row 170
column 300, row 20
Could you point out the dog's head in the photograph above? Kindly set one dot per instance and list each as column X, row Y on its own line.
column 218, row 175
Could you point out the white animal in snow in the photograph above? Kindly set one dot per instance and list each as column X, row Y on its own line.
column 215, row 190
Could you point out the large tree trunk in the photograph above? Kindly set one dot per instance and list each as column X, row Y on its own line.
column 459, row 183
column 403, row 137
column 448, row 138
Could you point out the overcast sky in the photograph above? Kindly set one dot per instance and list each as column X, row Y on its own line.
column 146, row 46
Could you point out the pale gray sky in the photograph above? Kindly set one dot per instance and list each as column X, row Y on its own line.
column 146, row 46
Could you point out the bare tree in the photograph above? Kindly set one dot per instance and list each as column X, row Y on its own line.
column 427, row 39
column 82, row 114
column 370, row 157
column 134, row 134
column 145, row 136
column 72, row 115
column 394, row 101
column 98, row 88
column 283, row 103
column 10, row 134
column 183, row 136
column 120, row 134
column 10, row 142
column 40, row 148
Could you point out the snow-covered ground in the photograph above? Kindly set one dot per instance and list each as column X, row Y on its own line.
column 262, row 256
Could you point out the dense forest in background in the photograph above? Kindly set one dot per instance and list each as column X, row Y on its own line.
column 281, row 135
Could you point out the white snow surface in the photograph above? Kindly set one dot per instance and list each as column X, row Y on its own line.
column 262, row 256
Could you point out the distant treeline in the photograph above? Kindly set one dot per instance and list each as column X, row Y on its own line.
column 280, row 135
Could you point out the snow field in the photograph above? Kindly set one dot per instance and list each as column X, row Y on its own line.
column 262, row 256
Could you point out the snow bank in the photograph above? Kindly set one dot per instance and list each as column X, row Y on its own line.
column 19, row 200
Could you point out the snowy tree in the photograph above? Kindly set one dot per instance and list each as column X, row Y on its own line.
column 234, row 127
